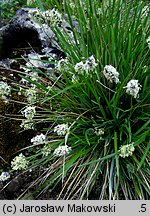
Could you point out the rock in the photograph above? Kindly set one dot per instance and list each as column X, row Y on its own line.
column 22, row 31
column 13, row 186
column 6, row 63
column 1, row 185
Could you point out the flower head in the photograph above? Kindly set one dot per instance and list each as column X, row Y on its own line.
column 126, row 150
column 46, row 150
column 79, row 67
column 4, row 176
column 19, row 162
column 29, row 112
column 111, row 74
column 99, row 131
column 133, row 88
column 90, row 63
column 31, row 95
column 27, row 124
column 62, row 150
column 39, row 139
column 52, row 17
column 49, row 17
column 61, row 129
column 5, row 89
column 62, row 64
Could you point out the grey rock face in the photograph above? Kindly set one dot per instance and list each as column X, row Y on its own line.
column 22, row 31
column 13, row 186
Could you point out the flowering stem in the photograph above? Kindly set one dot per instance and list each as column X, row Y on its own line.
column 117, row 164
column 105, row 86
column 63, row 172
column 3, row 160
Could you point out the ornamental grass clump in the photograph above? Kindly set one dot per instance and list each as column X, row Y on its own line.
column 98, row 105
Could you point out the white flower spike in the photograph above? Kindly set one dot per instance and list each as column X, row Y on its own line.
column 90, row 63
column 61, row 129
column 29, row 112
column 62, row 150
column 111, row 74
column 5, row 89
column 39, row 139
column 133, row 88
column 126, row 150
column 19, row 162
